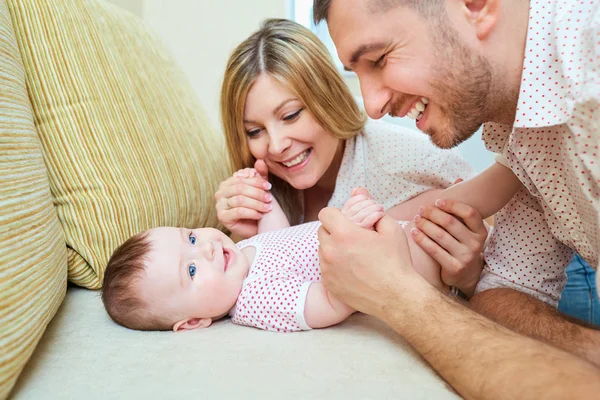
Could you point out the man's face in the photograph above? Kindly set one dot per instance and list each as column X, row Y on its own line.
column 406, row 62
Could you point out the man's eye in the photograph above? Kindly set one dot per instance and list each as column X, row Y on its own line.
column 292, row 116
column 192, row 238
column 379, row 61
column 192, row 270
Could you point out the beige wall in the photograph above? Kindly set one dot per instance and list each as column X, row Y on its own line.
column 202, row 33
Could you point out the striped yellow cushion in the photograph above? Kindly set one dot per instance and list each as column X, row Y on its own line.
column 33, row 256
column 126, row 142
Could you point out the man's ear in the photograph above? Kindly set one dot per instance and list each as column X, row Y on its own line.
column 483, row 14
column 192, row 323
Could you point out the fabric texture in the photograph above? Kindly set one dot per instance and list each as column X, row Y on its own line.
column 85, row 355
column 553, row 147
column 33, row 256
column 273, row 295
column 580, row 299
column 395, row 164
column 125, row 140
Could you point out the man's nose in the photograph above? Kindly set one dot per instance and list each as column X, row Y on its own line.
column 375, row 96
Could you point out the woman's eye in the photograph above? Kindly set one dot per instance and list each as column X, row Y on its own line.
column 292, row 116
column 192, row 270
column 192, row 238
column 253, row 132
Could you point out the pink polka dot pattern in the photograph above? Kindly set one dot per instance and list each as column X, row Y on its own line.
column 395, row 164
column 553, row 147
column 274, row 293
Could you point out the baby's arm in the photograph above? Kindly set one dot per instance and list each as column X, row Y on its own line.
column 274, row 219
column 322, row 309
column 364, row 211
column 487, row 192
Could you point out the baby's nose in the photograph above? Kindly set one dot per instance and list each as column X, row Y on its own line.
column 208, row 250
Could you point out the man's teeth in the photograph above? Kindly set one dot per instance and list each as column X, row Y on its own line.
column 301, row 157
column 417, row 111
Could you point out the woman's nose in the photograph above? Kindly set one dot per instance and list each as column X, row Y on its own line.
column 278, row 143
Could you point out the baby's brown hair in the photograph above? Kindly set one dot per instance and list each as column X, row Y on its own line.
column 119, row 292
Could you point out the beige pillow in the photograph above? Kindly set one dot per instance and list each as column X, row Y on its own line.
column 126, row 142
column 33, row 256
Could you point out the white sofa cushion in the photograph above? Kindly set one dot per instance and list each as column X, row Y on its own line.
column 84, row 355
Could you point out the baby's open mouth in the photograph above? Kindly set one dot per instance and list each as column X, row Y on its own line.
column 226, row 259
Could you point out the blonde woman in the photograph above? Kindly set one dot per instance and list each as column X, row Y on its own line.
column 287, row 112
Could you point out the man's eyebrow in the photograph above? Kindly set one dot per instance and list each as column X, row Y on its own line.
column 361, row 51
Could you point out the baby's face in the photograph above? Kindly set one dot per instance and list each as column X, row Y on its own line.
column 192, row 273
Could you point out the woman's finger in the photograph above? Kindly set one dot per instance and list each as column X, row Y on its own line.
column 468, row 214
column 249, row 187
column 436, row 252
column 247, row 202
column 438, row 235
column 448, row 222
column 231, row 216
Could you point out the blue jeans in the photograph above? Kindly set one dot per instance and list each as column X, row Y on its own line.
column 580, row 297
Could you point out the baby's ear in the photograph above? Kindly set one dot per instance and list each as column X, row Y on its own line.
column 192, row 323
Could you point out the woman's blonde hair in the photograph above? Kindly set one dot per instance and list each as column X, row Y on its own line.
column 296, row 58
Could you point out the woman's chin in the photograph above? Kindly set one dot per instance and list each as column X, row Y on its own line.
column 302, row 184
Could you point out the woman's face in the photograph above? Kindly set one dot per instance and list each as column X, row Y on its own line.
column 281, row 131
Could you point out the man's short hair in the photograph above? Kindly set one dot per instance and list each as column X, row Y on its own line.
column 120, row 295
column 424, row 7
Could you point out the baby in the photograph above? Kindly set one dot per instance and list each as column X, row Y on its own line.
column 175, row 278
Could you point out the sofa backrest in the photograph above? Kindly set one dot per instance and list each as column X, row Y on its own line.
column 104, row 137
column 126, row 142
column 33, row 255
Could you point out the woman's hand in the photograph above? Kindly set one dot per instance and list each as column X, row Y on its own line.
column 454, row 235
column 243, row 199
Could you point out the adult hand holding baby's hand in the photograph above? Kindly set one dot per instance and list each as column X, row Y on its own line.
column 362, row 209
column 243, row 199
column 368, row 270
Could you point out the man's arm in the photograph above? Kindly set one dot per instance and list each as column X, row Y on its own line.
column 523, row 255
column 534, row 318
column 372, row 272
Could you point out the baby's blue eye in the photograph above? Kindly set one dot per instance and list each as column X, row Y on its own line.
column 192, row 238
column 192, row 270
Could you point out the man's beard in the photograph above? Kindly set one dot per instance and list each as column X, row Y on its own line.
column 462, row 86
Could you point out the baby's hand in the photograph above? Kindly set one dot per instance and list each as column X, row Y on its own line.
column 362, row 209
column 245, row 173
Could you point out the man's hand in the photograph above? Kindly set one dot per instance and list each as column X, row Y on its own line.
column 362, row 209
column 366, row 269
